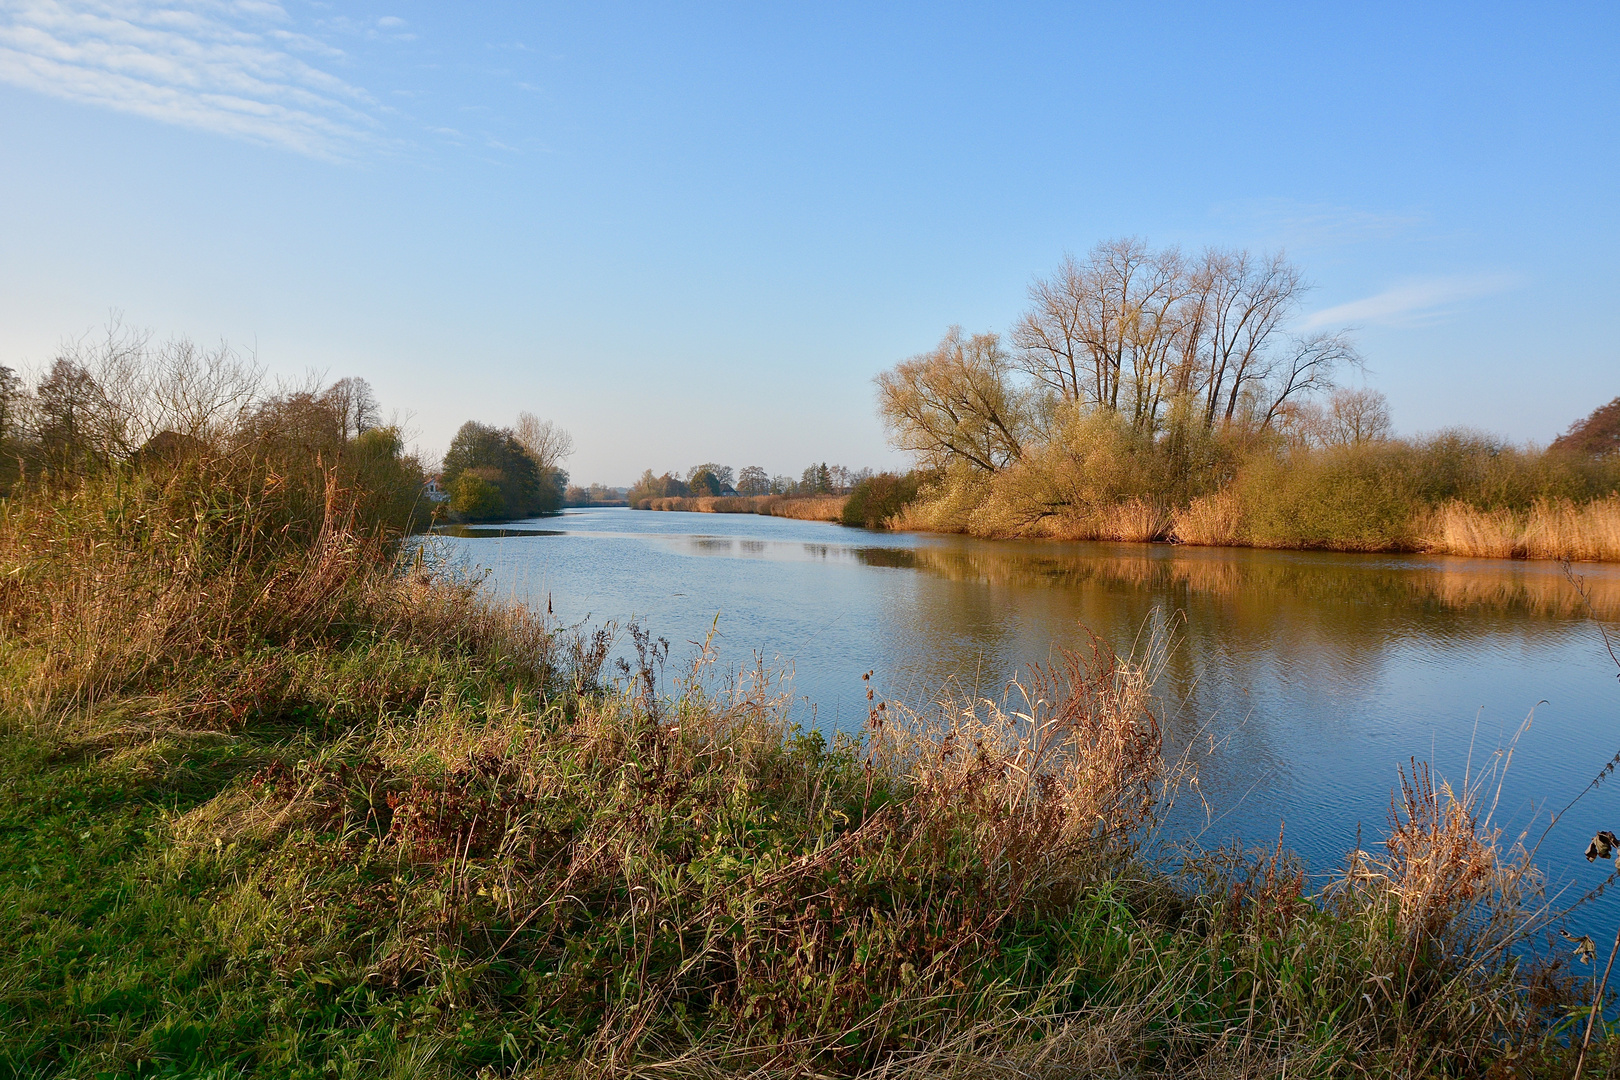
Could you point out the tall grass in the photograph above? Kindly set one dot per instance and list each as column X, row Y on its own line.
column 1548, row 530
column 287, row 799
column 805, row 508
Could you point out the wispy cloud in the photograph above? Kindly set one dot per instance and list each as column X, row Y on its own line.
column 234, row 67
column 1294, row 224
column 1427, row 300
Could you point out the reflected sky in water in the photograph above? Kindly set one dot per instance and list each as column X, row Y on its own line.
column 1316, row 674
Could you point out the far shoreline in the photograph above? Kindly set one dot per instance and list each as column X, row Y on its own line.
column 830, row 509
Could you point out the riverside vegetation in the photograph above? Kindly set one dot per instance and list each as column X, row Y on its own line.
column 281, row 796
column 1146, row 395
column 818, row 495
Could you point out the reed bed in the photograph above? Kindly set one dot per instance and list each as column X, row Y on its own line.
column 804, row 508
column 1456, row 492
column 1215, row 520
column 1550, row 529
column 1558, row 529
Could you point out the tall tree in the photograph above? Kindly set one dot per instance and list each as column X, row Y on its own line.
column 956, row 403
column 1595, row 436
column 69, row 404
column 495, row 457
column 354, row 404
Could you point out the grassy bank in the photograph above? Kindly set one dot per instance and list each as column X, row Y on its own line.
column 1457, row 493
column 805, row 508
column 278, row 801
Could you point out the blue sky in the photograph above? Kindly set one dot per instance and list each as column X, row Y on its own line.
column 695, row 233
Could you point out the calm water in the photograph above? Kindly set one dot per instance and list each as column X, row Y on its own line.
column 1316, row 674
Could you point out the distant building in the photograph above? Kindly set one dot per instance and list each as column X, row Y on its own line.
column 433, row 491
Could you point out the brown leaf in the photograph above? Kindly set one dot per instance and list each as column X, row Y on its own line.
column 1602, row 846
column 1585, row 948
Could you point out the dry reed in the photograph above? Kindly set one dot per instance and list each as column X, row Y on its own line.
column 1215, row 520
column 1550, row 529
column 804, row 508
column 1135, row 521
column 1580, row 533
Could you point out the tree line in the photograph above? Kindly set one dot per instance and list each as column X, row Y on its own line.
column 120, row 400
column 711, row 478
column 1167, row 345
column 1148, row 394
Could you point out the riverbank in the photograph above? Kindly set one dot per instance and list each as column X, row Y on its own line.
column 803, row 508
column 284, row 807
column 1094, row 473
column 1549, row 529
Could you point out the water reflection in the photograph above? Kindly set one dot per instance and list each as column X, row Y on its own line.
column 1356, row 582
column 486, row 532
column 1313, row 674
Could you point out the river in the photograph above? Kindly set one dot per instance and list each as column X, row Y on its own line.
column 1302, row 679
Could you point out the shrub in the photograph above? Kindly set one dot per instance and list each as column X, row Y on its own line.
column 875, row 501
column 1351, row 498
column 477, row 497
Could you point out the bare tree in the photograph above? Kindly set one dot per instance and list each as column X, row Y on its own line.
column 1104, row 327
column 1354, row 417
column 1248, row 302
column 97, row 394
column 69, row 411
column 1307, row 368
column 202, row 393
column 142, row 390
column 1162, row 343
column 1047, row 339
column 1131, row 330
column 547, row 443
column 753, row 480
column 956, row 403
column 355, row 404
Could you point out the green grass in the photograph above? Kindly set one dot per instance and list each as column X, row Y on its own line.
column 110, row 951
column 295, row 809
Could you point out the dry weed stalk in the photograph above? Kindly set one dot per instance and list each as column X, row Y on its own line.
column 1441, row 859
column 1077, row 757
